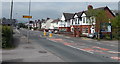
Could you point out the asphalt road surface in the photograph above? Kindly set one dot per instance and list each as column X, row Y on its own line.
column 70, row 53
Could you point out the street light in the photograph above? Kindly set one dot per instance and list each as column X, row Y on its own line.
column 28, row 21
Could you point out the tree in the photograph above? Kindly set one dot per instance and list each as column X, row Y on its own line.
column 100, row 18
column 116, row 27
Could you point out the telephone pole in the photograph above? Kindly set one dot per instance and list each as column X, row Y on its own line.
column 11, row 10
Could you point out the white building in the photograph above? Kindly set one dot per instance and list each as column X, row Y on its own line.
column 55, row 24
column 64, row 24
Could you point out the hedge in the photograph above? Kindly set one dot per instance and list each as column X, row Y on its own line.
column 7, row 37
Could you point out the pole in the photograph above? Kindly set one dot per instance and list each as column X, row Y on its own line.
column 11, row 10
column 29, row 21
column 11, row 20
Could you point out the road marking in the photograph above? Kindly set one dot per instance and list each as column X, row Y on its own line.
column 66, row 43
column 67, row 37
column 80, row 49
column 114, row 52
column 104, row 49
column 116, row 58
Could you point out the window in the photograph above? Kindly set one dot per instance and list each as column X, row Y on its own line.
column 75, row 21
column 72, row 21
column 85, row 30
column 83, row 19
column 78, row 21
column 88, row 20
column 92, row 19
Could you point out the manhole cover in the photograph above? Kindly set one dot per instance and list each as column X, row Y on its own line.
column 42, row 51
column 29, row 47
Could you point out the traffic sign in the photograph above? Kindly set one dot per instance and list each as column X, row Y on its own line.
column 27, row 16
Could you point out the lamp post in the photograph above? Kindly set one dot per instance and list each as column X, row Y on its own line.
column 29, row 21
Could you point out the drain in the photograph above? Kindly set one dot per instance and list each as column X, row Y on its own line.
column 29, row 47
column 42, row 51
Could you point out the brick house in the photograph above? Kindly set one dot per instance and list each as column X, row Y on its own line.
column 85, row 23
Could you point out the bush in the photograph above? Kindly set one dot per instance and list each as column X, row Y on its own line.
column 107, row 36
column 7, row 37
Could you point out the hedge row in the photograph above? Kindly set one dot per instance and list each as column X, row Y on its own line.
column 7, row 37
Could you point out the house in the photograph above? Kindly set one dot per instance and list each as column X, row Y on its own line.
column 39, row 24
column 46, row 24
column 43, row 24
column 55, row 24
column 85, row 22
column 64, row 24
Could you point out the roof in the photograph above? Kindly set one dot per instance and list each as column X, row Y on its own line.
column 101, row 8
column 79, row 14
column 68, row 15
column 56, row 20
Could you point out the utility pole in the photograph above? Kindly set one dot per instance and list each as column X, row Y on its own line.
column 29, row 20
column 11, row 20
column 11, row 10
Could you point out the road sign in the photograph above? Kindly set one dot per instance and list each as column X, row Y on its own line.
column 27, row 16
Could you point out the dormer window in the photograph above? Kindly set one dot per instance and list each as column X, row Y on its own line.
column 72, row 21
column 75, row 20
column 78, row 21
column 83, row 19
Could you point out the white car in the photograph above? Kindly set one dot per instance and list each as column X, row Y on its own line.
column 92, row 35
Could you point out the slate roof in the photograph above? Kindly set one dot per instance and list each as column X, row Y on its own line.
column 56, row 20
column 68, row 16
column 101, row 8
column 79, row 14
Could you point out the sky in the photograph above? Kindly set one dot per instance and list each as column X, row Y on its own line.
column 54, row 10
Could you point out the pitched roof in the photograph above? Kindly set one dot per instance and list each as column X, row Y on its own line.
column 79, row 14
column 101, row 8
column 56, row 20
column 68, row 15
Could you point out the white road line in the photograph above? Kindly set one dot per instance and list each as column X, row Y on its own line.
column 80, row 49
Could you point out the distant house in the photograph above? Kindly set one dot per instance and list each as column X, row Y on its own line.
column 55, row 24
column 85, row 22
column 46, row 24
column 43, row 24
column 64, row 24
column 9, row 22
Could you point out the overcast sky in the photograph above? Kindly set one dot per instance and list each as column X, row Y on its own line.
column 52, row 10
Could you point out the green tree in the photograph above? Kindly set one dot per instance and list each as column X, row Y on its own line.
column 116, row 27
column 99, row 15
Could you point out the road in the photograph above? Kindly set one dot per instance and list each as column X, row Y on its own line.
column 72, row 49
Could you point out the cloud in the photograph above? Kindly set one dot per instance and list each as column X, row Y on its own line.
column 62, row 0
column 53, row 10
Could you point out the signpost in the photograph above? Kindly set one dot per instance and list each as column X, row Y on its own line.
column 27, row 16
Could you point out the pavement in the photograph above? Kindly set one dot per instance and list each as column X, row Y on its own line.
column 27, row 52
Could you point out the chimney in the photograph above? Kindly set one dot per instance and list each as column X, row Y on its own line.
column 90, row 7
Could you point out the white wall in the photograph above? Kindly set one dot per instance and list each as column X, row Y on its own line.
column 64, row 23
column 54, row 25
column 43, row 25
column 48, row 23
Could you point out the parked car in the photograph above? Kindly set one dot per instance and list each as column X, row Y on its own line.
column 56, row 31
column 92, row 35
